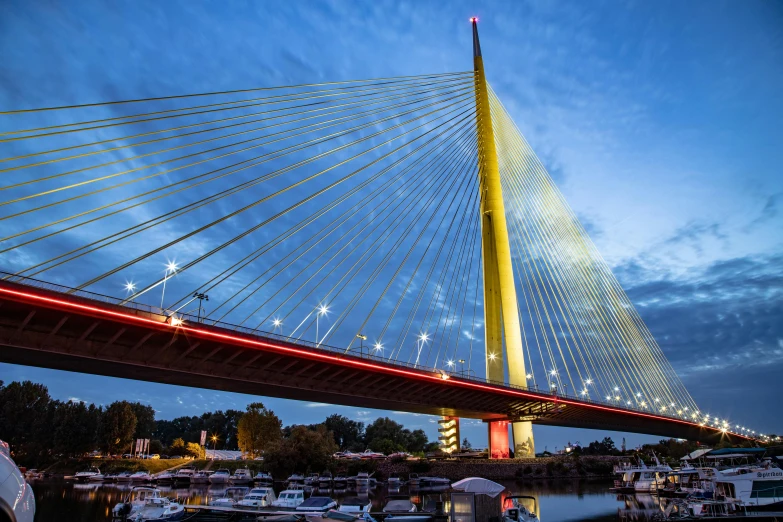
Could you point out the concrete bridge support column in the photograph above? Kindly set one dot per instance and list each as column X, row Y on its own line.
column 448, row 434
column 497, row 437
column 523, row 440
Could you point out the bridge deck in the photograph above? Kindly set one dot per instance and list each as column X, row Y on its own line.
column 46, row 328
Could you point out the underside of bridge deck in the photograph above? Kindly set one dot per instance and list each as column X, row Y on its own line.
column 53, row 330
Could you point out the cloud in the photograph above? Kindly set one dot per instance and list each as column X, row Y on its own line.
column 720, row 326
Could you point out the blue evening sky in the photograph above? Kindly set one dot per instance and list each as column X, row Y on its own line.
column 660, row 122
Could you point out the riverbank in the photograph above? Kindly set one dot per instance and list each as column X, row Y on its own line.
column 505, row 469
column 71, row 466
column 569, row 467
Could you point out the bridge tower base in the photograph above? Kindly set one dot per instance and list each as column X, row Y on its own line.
column 524, row 447
column 497, row 438
column 448, row 434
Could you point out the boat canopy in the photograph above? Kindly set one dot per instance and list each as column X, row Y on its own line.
column 479, row 485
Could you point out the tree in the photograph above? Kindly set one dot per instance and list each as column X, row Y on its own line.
column 156, row 446
column 466, row 444
column 384, row 429
column 145, row 420
column 417, row 441
column 194, row 450
column 304, row 450
column 177, row 448
column 257, row 429
column 605, row 447
column 26, row 415
column 117, row 427
column 76, row 428
column 347, row 433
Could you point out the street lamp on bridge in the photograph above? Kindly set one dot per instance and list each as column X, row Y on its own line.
column 201, row 298
column 420, row 341
column 171, row 268
column 362, row 338
column 322, row 310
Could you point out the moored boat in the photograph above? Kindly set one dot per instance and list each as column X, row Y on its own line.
column 241, row 476
column 264, row 478
column 221, row 476
column 200, row 477
column 311, row 480
column 230, row 497
column 289, row 498
column 141, row 476
column 85, row 475
column 134, row 502
column 158, row 509
column 640, row 477
column 515, row 509
column 325, row 480
column 317, row 505
column 258, row 498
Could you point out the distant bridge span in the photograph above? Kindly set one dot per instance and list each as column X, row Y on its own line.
column 53, row 329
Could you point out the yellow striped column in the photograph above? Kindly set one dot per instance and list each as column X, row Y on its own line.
column 500, row 296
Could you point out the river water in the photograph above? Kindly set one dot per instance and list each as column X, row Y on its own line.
column 558, row 500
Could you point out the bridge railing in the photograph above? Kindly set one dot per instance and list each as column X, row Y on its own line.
column 264, row 335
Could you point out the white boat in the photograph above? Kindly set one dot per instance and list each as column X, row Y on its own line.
column 340, row 481
column 296, row 478
column 155, row 509
column 241, row 476
column 355, row 505
column 758, row 486
column 230, row 497
column 184, row 475
column 141, row 476
column 432, row 483
column 317, row 505
column 516, row 510
column 289, row 498
column 399, row 504
column 686, row 481
column 258, row 498
column 325, row 480
column 85, row 475
column 362, row 480
column 221, row 476
column 100, row 477
column 200, row 477
column 394, row 481
column 264, row 478
column 640, row 478
column 135, row 501
column 311, row 480
column 165, row 477
column 125, row 476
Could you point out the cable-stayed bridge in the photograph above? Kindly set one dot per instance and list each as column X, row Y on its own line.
column 391, row 243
